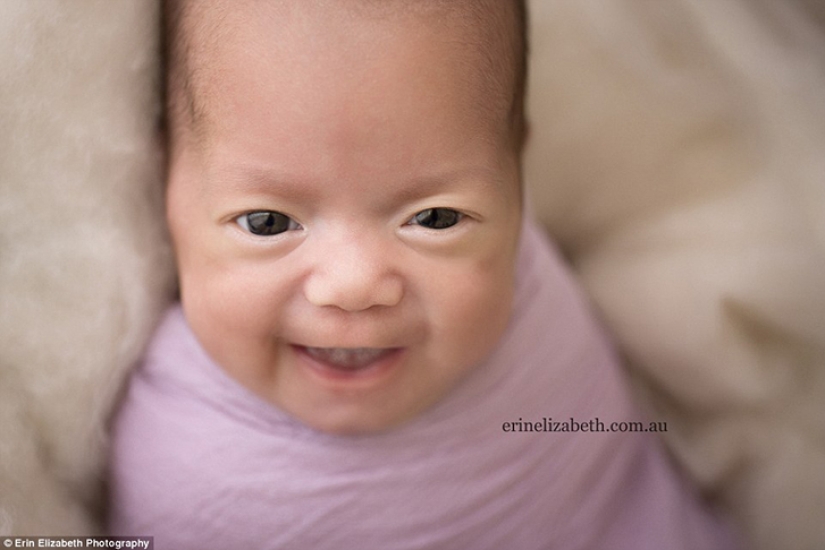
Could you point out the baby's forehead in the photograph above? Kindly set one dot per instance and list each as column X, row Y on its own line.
column 488, row 33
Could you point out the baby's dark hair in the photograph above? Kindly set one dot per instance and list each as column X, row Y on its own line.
column 179, row 83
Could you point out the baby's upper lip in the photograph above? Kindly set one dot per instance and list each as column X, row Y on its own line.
column 321, row 332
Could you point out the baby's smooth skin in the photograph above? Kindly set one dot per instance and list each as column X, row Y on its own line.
column 344, row 199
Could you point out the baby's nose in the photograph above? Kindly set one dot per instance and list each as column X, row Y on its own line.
column 354, row 277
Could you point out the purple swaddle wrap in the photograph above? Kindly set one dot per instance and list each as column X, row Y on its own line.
column 200, row 462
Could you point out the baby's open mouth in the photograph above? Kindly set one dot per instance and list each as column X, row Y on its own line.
column 348, row 358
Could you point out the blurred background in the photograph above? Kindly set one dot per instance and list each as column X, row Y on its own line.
column 678, row 156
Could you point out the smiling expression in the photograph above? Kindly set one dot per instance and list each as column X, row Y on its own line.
column 346, row 218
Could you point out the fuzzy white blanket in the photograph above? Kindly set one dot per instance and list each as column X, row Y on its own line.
column 676, row 154
column 84, row 263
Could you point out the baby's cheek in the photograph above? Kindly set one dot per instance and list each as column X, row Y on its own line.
column 249, row 296
column 478, row 317
column 226, row 302
column 236, row 322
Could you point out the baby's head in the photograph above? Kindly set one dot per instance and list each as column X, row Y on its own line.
column 344, row 195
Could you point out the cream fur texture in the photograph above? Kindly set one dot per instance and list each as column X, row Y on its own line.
column 676, row 154
column 85, row 267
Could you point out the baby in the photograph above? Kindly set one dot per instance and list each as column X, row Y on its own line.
column 369, row 324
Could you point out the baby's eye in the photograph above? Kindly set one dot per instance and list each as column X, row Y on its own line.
column 437, row 218
column 267, row 223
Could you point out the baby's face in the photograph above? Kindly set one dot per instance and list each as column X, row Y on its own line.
column 346, row 224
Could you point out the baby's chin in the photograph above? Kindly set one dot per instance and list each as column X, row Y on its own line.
column 364, row 421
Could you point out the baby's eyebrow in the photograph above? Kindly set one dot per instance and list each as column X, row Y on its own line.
column 260, row 181
column 433, row 183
